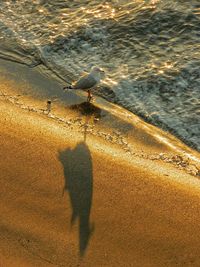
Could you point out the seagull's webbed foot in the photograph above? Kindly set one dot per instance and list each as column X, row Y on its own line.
column 89, row 99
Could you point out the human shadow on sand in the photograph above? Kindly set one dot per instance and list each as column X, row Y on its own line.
column 77, row 166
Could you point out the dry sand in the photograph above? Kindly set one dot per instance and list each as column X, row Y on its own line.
column 72, row 195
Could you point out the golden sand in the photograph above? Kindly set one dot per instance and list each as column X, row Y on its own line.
column 73, row 197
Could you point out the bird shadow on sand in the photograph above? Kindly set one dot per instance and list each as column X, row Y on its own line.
column 78, row 173
column 87, row 109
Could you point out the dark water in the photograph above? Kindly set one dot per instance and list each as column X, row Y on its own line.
column 150, row 51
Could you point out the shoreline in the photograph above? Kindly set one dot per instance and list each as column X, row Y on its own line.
column 54, row 80
column 57, row 81
column 29, row 89
column 132, row 190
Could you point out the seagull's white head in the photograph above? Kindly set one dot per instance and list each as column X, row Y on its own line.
column 97, row 73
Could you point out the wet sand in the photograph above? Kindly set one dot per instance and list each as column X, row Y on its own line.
column 98, row 189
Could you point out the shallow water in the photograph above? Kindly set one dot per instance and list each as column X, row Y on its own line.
column 149, row 50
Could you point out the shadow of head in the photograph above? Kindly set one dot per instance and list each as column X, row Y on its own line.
column 87, row 109
column 77, row 167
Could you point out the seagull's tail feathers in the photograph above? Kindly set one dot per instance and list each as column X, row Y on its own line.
column 68, row 87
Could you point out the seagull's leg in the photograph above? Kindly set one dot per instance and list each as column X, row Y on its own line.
column 89, row 96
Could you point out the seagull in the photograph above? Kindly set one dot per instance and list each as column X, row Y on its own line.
column 88, row 81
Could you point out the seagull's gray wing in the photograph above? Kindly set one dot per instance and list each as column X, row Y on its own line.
column 86, row 82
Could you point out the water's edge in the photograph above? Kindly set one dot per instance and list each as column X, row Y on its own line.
column 104, row 92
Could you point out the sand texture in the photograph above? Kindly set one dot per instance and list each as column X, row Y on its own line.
column 98, row 189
